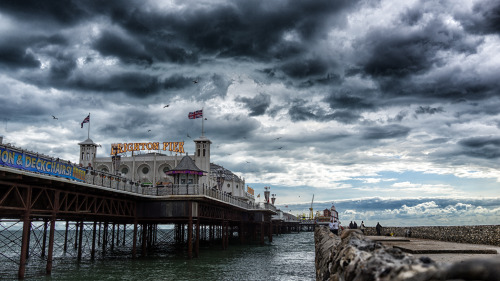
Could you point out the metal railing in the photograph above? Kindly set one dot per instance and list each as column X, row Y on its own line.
column 116, row 182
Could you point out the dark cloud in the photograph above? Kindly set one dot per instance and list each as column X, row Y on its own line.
column 401, row 52
column 484, row 19
column 348, row 101
column 133, row 83
column 299, row 111
column 42, row 11
column 111, row 43
column 428, row 110
column 481, row 147
column 305, row 68
column 257, row 105
column 14, row 56
column 385, row 132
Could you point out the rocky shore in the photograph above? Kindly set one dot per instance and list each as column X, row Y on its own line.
column 355, row 257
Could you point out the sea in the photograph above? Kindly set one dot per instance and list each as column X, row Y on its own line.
column 287, row 257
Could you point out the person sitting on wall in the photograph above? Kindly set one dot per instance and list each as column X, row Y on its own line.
column 334, row 226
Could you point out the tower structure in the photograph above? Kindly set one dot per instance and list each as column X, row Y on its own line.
column 202, row 157
column 88, row 150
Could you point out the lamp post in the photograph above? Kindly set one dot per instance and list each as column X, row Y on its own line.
column 273, row 198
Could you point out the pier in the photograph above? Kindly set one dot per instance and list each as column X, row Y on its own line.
column 50, row 217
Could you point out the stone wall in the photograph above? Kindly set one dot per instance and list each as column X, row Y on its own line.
column 354, row 257
column 472, row 234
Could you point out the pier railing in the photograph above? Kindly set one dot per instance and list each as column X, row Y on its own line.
column 31, row 162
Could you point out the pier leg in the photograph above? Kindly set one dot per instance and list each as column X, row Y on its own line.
column 80, row 239
column 270, row 231
column 75, row 245
column 24, row 245
column 197, row 244
column 190, row 237
column 99, row 235
column 262, row 233
column 134, row 241
column 26, row 235
column 94, row 230
column 144, row 238
column 66, row 237
column 48, row 268
column 124, row 232
column 113, row 237
column 117, row 234
column 104, row 238
column 44, row 242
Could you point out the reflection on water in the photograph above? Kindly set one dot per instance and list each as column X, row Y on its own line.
column 288, row 257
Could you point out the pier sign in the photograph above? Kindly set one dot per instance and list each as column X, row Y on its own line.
column 117, row 148
column 39, row 164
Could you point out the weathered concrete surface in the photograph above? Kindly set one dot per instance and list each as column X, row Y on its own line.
column 355, row 257
column 472, row 234
column 439, row 251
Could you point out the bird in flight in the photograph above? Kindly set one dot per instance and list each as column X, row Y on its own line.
column 53, row 117
column 280, row 147
column 195, row 81
column 188, row 136
column 166, row 105
column 149, row 130
column 278, row 138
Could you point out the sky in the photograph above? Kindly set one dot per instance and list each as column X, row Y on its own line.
column 387, row 109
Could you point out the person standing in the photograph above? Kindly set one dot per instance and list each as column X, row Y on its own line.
column 355, row 225
column 351, row 225
column 362, row 227
column 378, row 227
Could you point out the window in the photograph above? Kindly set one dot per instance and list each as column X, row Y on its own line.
column 125, row 170
column 203, row 152
column 166, row 169
column 145, row 170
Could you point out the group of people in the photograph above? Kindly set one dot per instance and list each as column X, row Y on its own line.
column 334, row 226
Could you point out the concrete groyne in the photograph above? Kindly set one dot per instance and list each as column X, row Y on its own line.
column 355, row 257
column 472, row 234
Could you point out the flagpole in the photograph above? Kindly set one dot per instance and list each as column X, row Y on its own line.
column 202, row 122
column 88, row 133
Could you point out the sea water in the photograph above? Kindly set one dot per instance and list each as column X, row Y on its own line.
column 288, row 257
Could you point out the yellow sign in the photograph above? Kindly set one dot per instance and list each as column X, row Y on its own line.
column 117, row 148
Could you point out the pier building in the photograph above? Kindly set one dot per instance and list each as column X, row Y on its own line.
column 152, row 168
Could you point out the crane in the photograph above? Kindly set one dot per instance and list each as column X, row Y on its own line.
column 311, row 214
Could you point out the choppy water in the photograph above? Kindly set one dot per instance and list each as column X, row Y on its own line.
column 288, row 257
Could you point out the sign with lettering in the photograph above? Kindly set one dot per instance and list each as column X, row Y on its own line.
column 117, row 148
column 40, row 164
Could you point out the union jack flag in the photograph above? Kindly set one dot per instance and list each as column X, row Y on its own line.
column 196, row 114
column 86, row 120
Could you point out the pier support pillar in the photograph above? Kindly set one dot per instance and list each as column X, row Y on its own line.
column 48, row 268
column 197, row 244
column 262, row 233
column 26, row 234
column 270, row 231
column 80, row 240
column 94, row 232
column 134, row 241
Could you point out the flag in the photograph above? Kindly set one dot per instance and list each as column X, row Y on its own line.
column 196, row 114
column 86, row 120
column 258, row 196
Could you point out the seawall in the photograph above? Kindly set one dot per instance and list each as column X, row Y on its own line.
column 355, row 257
column 472, row 234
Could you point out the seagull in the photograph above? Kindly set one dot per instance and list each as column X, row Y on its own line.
column 166, row 105
column 248, row 162
column 280, row 147
column 278, row 138
column 149, row 130
column 195, row 81
column 188, row 136
column 53, row 117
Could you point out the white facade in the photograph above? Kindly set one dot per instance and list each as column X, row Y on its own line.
column 149, row 168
